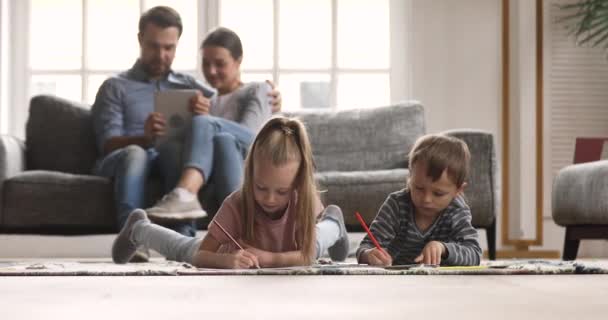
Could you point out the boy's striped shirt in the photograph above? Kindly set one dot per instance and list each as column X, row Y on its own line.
column 395, row 229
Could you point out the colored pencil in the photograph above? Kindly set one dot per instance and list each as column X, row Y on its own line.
column 369, row 233
column 231, row 238
column 228, row 235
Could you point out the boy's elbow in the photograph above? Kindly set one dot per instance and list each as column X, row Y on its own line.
column 477, row 254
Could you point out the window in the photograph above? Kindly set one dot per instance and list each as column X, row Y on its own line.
column 4, row 45
column 321, row 53
column 72, row 62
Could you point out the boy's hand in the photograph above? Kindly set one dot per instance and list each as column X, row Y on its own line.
column 377, row 257
column 243, row 259
column 199, row 105
column 431, row 253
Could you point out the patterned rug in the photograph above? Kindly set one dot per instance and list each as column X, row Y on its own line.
column 166, row 268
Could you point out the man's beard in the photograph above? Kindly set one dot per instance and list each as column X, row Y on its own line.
column 156, row 68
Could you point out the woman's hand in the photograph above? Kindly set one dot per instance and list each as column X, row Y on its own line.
column 431, row 253
column 276, row 100
column 199, row 105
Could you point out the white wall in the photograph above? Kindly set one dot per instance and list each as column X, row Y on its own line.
column 457, row 66
column 456, row 74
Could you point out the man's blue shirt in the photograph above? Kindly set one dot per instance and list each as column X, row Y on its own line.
column 124, row 101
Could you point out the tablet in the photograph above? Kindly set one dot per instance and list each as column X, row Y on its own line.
column 175, row 107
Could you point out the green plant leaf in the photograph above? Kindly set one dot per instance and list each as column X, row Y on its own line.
column 586, row 21
column 594, row 34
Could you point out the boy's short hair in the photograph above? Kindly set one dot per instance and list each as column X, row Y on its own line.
column 440, row 152
column 161, row 16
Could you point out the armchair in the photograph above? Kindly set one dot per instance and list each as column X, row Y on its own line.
column 579, row 196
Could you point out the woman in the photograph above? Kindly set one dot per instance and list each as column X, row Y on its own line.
column 223, row 128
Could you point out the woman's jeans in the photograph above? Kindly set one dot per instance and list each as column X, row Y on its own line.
column 214, row 146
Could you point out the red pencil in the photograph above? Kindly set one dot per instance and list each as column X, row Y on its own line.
column 369, row 233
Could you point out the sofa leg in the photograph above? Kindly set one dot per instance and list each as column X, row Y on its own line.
column 570, row 246
column 491, row 235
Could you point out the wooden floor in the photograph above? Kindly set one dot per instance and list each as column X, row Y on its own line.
column 305, row 297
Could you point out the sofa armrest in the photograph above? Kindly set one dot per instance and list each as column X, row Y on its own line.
column 12, row 156
column 483, row 185
column 579, row 194
column 12, row 161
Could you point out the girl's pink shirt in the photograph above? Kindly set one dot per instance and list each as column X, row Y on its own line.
column 274, row 235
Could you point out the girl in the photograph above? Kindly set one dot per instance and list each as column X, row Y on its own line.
column 273, row 216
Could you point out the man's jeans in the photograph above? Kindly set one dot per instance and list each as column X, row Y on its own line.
column 214, row 146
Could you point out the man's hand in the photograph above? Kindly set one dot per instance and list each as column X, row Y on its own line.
column 276, row 100
column 375, row 257
column 199, row 105
column 431, row 253
column 154, row 127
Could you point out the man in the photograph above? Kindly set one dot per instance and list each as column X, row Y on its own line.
column 126, row 127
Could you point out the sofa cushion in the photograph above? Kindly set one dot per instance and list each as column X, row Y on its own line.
column 363, row 139
column 45, row 199
column 362, row 191
column 59, row 136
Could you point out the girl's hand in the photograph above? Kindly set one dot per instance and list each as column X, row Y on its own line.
column 242, row 259
column 431, row 253
column 264, row 257
column 377, row 257
column 199, row 105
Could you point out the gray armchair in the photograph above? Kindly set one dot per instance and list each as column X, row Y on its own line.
column 580, row 203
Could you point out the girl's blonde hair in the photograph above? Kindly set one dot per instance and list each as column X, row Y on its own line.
column 280, row 141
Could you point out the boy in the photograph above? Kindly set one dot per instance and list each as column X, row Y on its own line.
column 428, row 221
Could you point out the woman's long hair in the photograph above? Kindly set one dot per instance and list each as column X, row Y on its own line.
column 282, row 140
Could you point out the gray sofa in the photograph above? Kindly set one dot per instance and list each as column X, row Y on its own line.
column 360, row 156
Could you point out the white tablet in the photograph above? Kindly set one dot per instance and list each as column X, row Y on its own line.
column 175, row 106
